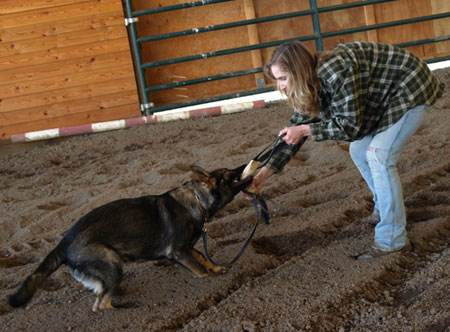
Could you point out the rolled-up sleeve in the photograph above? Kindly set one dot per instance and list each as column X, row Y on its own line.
column 283, row 156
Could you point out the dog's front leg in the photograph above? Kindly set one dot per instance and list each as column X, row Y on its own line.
column 210, row 267
column 186, row 259
column 195, row 262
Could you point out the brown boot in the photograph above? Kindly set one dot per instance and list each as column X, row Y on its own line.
column 375, row 252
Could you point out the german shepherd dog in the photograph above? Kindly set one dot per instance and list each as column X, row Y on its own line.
column 150, row 227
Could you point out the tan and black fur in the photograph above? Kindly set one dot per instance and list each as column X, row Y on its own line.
column 150, row 227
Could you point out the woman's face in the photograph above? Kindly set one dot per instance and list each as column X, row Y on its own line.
column 281, row 76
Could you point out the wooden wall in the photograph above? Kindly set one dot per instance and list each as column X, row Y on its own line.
column 68, row 62
column 191, row 18
column 63, row 63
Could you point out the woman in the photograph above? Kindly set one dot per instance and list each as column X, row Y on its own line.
column 372, row 95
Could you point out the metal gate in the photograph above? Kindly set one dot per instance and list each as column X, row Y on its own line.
column 144, row 80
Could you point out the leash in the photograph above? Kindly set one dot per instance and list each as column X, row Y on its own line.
column 259, row 161
column 241, row 252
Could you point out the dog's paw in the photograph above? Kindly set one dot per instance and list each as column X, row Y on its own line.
column 218, row 270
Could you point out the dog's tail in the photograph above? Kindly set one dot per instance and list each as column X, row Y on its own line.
column 49, row 265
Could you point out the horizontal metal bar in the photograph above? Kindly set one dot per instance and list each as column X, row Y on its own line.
column 434, row 60
column 212, row 99
column 246, row 93
column 176, row 7
column 351, row 5
column 224, row 26
column 203, row 79
column 385, row 25
column 259, row 70
column 224, row 52
column 257, row 20
column 271, row 44
column 424, row 41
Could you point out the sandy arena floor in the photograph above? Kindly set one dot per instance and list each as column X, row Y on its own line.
column 298, row 274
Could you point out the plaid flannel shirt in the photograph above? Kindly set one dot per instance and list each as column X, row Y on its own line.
column 365, row 87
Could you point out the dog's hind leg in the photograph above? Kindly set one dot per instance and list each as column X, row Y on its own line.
column 101, row 271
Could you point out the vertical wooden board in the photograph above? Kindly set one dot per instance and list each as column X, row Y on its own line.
column 371, row 19
column 342, row 19
column 441, row 27
column 253, row 36
column 404, row 9
column 281, row 29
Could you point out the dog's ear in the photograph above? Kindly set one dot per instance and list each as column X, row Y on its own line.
column 199, row 174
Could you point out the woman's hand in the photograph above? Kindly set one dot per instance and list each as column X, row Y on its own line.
column 293, row 135
column 259, row 180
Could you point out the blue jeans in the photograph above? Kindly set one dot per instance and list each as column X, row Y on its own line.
column 375, row 155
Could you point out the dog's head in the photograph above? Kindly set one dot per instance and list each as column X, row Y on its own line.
column 221, row 185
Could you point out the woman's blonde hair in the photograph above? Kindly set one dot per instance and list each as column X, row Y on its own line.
column 301, row 66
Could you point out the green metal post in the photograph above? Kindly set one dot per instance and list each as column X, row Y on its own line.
column 316, row 25
column 135, row 49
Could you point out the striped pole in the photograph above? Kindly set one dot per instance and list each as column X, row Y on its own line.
column 131, row 122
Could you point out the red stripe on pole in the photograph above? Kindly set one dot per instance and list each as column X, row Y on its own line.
column 18, row 138
column 259, row 103
column 134, row 122
column 210, row 111
column 87, row 128
column 151, row 119
column 75, row 130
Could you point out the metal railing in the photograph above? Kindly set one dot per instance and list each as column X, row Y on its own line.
column 147, row 106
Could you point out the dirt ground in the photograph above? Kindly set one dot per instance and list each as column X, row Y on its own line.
column 298, row 274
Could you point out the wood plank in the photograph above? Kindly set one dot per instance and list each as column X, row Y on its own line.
column 249, row 9
column 17, row 6
column 68, row 94
column 398, row 10
column 114, row 113
column 90, row 63
column 66, row 53
column 441, row 27
column 369, row 13
column 63, row 26
column 78, row 10
column 55, row 83
column 67, row 108
column 61, row 41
